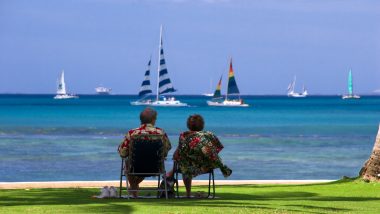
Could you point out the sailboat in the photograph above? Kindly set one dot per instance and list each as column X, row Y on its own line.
column 350, row 94
column 164, row 85
column 145, row 89
column 291, row 92
column 210, row 94
column 232, row 89
column 61, row 89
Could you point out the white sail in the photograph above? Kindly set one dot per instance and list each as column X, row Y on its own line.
column 61, row 87
column 291, row 89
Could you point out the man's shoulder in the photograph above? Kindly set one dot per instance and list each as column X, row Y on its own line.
column 159, row 130
column 146, row 130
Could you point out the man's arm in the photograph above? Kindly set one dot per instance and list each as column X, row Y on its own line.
column 123, row 147
column 167, row 145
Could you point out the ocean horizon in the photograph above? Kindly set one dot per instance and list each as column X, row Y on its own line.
column 318, row 137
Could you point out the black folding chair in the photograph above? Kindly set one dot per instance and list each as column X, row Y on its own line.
column 210, row 178
column 146, row 159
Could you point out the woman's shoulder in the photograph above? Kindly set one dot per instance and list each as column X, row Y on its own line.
column 207, row 134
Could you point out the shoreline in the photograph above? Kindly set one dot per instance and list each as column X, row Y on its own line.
column 146, row 183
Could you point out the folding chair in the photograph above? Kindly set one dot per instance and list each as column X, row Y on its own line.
column 210, row 177
column 146, row 159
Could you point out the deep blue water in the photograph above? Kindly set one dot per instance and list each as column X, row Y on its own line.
column 43, row 139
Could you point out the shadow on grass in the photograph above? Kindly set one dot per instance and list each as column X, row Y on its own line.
column 239, row 196
column 59, row 197
column 341, row 181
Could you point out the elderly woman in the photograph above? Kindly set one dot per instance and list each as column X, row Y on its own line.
column 197, row 152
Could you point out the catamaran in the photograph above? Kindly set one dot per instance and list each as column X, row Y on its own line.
column 350, row 94
column 145, row 90
column 61, row 89
column 291, row 92
column 164, row 85
column 232, row 89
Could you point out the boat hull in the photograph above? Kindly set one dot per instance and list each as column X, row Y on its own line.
column 65, row 96
column 351, row 97
column 141, row 103
column 103, row 93
column 208, row 95
column 297, row 95
column 227, row 103
column 168, row 103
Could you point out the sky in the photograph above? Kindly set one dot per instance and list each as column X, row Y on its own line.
column 109, row 43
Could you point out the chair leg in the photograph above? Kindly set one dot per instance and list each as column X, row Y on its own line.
column 176, row 178
column 121, row 177
column 213, row 184
column 158, row 187
column 166, row 188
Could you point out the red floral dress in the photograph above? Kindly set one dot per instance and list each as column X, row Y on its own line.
column 198, row 153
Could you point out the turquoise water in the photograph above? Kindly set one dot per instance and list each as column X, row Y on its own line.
column 43, row 139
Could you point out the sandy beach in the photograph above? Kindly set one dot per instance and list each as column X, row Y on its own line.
column 147, row 183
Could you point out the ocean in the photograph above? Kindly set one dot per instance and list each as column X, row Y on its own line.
column 321, row 137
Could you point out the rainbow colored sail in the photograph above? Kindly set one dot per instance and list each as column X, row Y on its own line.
column 232, row 88
column 217, row 93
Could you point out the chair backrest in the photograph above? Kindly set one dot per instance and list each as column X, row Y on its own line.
column 146, row 154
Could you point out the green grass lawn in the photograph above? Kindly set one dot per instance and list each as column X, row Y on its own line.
column 349, row 196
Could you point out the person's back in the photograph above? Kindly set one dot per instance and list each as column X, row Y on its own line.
column 148, row 119
column 197, row 152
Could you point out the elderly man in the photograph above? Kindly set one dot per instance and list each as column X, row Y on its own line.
column 148, row 119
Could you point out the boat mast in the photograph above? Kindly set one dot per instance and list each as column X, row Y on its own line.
column 228, row 83
column 159, row 60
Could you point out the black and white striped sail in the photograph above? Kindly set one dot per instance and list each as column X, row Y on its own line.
column 164, row 83
column 145, row 88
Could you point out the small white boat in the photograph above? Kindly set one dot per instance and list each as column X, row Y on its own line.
column 61, row 89
column 228, row 103
column 103, row 90
column 209, row 94
column 232, row 89
column 350, row 94
column 292, row 93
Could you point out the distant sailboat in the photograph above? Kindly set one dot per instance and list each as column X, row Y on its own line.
column 164, row 85
column 350, row 94
column 145, row 89
column 232, row 89
column 210, row 94
column 292, row 93
column 61, row 89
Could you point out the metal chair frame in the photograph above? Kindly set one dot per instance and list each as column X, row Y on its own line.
column 127, row 165
column 211, row 176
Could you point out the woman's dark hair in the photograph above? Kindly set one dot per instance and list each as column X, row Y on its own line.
column 195, row 122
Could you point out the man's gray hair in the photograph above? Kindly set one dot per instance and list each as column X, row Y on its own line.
column 148, row 115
